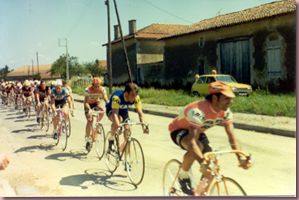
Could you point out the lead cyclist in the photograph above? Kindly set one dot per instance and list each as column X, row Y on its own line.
column 187, row 131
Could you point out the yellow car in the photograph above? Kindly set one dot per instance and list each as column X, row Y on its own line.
column 200, row 86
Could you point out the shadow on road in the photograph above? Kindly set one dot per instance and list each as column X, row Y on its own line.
column 22, row 130
column 100, row 177
column 35, row 147
column 17, row 117
column 80, row 155
column 31, row 125
column 24, row 120
column 39, row 136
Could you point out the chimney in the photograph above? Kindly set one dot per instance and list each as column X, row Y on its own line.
column 116, row 32
column 132, row 26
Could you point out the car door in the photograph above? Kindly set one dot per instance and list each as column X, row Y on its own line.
column 204, row 86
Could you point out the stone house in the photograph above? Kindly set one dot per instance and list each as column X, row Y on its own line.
column 145, row 52
column 255, row 45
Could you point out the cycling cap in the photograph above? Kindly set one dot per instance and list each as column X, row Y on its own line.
column 96, row 80
column 220, row 87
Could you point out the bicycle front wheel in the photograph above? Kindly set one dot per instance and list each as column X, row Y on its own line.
column 171, row 185
column 226, row 187
column 46, row 121
column 100, row 141
column 134, row 161
column 62, row 135
column 68, row 123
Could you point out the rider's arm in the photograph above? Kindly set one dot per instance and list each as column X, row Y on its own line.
column 138, row 107
column 37, row 97
column 229, row 128
column 193, row 133
column 53, row 103
column 105, row 96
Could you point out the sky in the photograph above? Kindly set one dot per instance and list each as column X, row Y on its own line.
column 31, row 26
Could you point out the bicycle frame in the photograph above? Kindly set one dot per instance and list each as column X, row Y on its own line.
column 120, row 130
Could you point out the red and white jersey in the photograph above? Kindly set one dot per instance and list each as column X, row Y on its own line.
column 201, row 115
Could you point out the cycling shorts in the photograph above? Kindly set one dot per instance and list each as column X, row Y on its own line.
column 178, row 135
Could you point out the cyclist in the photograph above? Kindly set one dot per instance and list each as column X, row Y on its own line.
column 27, row 93
column 117, row 110
column 70, row 92
column 93, row 95
column 17, row 90
column 59, row 97
column 187, row 131
column 42, row 94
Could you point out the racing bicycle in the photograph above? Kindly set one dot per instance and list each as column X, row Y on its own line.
column 132, row 154
column 220, row 186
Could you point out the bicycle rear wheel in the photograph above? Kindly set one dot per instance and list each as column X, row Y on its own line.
column 100, row 141
column 111, row 155
column 134, row 161
column 226, row 187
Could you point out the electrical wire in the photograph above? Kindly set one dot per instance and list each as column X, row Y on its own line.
column 166, row 11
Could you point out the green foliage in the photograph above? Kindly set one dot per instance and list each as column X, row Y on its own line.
column 59, row 67
column 36, row 76
column 4, row 71
column 93, row 68
column 259, row 102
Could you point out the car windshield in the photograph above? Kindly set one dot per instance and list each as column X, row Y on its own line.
column 229, row 79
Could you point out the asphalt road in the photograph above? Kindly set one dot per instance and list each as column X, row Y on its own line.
column 38, row 168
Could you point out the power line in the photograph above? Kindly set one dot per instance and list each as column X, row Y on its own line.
column 166, row 11
column 82, row 14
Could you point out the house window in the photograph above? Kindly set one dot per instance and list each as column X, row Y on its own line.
column 274, row 56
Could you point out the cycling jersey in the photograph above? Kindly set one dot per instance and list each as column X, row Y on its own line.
column 60, row 98
column 201, row 115
column 42, row 93
column 94, row 95
column 27, row 91
column 118, row 101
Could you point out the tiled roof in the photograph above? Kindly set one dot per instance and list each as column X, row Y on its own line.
column 247, row 15
column 44, row 71
column 154, row 31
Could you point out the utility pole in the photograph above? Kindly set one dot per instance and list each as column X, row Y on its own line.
column 123, row 42
column 37, row 62
column 109, row 56
column 67, row 62
column 32, row 68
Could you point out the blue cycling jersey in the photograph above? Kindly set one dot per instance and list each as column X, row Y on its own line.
column 61, row 96
column 118, row 101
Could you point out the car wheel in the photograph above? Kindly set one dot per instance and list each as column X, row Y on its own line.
column 196, row 94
